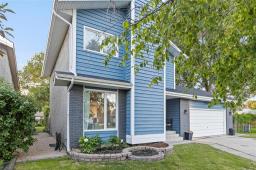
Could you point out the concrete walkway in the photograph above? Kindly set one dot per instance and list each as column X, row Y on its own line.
column 244, row 147
column 40, row 149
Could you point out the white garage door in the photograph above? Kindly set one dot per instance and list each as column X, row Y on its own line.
column 207, row 122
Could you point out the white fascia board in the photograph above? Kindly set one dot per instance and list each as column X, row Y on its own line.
column 138, row 139
column 188, row 96
column 6, row 42
column 92, row 81
column 175, row 47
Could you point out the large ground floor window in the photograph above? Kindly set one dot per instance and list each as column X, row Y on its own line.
column 100, row 110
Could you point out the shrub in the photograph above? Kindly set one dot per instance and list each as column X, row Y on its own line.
column 116, row 143
column 16, row 121
column 114, row 140
column 90, row 144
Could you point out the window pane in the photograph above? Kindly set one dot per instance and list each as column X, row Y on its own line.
column 94, row 110
column 108, row 48
column 111, row 110
column 92, row 40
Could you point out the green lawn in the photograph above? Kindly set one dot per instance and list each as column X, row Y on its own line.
column 187, row 156
column 39, row 129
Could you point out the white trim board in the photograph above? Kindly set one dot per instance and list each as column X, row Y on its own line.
column 137, row 139
column 64, row 79
column 132, row 95
column 86, row 28
column 188, row 96
column 165, row 99
column 105, row 92
column 73, row 40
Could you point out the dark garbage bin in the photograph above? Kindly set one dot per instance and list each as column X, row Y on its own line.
column 188, row 135
column 231, row 131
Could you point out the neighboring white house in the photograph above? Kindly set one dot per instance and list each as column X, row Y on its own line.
column 39, row 117
column 8, row 66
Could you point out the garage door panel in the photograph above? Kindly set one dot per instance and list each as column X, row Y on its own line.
column 207, row 122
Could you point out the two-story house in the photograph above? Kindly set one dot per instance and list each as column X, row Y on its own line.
column 89, row 98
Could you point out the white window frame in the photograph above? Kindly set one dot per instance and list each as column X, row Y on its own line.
column 105, row 110
column 101, row 50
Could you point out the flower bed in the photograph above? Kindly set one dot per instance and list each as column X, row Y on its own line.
column 93, row 149
column 155, row 144
column 144, row 153
column 77, row 155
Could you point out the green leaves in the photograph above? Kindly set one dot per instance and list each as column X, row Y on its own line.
column 31, row 81
column 209, row 33
column 3, row 29
column 16, row 121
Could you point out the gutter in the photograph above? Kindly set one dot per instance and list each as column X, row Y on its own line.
column 92, row 81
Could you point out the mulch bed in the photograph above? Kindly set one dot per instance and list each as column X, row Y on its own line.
column 145, row 152
column 108, row 150
column 155, row 144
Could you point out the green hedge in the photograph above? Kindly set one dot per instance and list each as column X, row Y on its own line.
column 16, row 121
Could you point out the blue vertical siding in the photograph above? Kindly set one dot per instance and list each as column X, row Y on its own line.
column 204, row 105
column 149, row 102
column 91, row 63
column 173, row 112
column 104, row 135
column 170, row 73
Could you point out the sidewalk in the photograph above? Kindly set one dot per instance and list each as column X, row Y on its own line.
column 40, row 149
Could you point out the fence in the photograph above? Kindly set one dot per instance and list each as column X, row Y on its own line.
column 245, row 123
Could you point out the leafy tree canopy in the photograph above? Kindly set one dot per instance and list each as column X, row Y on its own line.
column 16, row 121
column 33, row 84
column 217, row 39
column 4, row 30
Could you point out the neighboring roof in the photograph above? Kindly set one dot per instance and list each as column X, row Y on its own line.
column 192, row 94
column 192, row 91
column 62, row 9
column 9, row 46
column 66, row 78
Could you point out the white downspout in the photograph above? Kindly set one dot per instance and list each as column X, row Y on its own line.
column 72, row 81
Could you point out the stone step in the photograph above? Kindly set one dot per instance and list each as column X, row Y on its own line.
column 170, row 132
column 172, row 135
column 174, row 139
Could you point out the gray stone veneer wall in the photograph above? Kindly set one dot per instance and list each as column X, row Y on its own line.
column 75, row 115
column 122, row 114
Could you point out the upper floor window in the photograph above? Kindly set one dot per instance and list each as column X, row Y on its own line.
column 93, row 39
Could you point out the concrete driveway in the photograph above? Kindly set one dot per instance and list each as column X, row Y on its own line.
column 244, row 147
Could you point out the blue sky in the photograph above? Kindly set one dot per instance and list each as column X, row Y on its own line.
column 31, row 26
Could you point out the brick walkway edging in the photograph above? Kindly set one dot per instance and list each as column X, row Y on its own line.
column 126, row 154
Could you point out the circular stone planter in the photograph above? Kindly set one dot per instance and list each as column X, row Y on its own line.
column 77, row 155
column 131, row 156
column 127, row 153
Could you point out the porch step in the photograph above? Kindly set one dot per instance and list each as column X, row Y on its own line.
column 172, row 136
column 170, row 132
column 174, row 139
